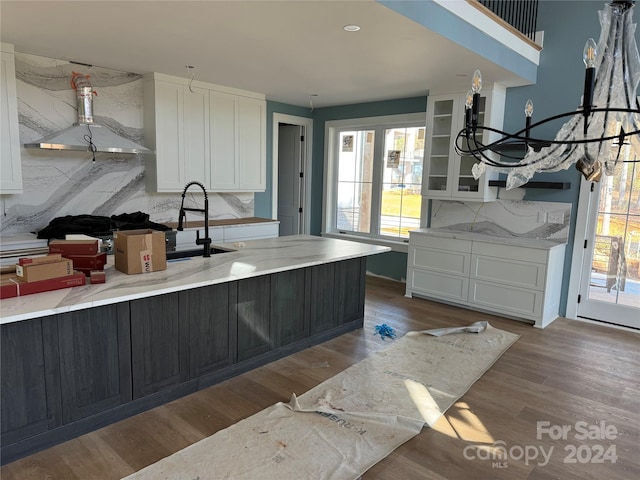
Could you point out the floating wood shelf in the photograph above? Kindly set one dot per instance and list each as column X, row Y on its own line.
column 548, row 185
column 520, row 147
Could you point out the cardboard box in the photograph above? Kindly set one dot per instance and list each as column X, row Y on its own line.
column 34, row 260
column 44, row 271
column 74, row 247
column 97, row 276
column 89, row 271
column 12, row 286
column 92, row 262
column 140, row 251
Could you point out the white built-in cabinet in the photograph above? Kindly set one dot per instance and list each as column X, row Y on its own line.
column 203, row 132
column 242, row 119
column 10, row 163
column 521, row 282
column 448, row 175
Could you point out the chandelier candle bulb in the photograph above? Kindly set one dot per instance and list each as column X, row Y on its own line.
column 589, row 58
column 476, row 86
column 468, row 105
column 468, row 101
column 528, row 112
column 476, row 82
column 590, row 53
column 528, row 109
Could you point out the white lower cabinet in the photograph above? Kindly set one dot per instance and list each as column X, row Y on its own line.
column 513, row 281
column 448, row 262
column 506, row 299
column 250, row 231
column 186, row 239
column 450, row 287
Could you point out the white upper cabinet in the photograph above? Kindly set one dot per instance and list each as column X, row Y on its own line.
column 448, row 175
column 238, row 143
column 203, row 132
column 10, row 164
column 224, row 147
column 251, row 135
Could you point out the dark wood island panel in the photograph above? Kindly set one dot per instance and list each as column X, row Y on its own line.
column 67, row 374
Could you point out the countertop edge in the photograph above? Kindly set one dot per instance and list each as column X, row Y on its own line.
column 89, row 296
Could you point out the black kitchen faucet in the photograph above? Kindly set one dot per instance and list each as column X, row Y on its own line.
column 206, row 241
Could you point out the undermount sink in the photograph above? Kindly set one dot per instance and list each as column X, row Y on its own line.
column 196, row 252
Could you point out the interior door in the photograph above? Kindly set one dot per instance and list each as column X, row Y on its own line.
column 610, row 280
column 290, row 178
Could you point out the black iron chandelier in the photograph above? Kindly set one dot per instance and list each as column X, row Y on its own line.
column 602, row 133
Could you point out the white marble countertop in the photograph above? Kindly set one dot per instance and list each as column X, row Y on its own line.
column 544, row 244
column 252, row 258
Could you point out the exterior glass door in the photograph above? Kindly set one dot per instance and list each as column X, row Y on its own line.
column 610, row 283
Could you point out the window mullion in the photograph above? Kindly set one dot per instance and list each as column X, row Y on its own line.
column 333, row 180
column 376, row 196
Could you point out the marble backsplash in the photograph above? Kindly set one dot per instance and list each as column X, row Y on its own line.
column 504, row 218
column 58, row 183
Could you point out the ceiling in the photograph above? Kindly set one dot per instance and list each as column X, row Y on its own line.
column 288, row 50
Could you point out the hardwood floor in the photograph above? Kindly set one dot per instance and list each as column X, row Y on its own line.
column 568, row 373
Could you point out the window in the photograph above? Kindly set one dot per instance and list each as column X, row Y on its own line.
column 374, row 176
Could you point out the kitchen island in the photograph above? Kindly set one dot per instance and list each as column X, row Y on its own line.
column 77, row 359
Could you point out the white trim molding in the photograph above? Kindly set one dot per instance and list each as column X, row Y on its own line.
column 577, row 257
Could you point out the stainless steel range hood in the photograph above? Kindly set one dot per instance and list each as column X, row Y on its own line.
column 80, row 136
column 85, row 135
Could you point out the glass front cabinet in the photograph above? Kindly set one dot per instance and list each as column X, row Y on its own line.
column 448, row 175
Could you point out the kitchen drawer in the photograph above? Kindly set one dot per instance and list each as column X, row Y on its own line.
column 442, row 243
column 445, row 261
column 234, row 233
column 526, row 254
column 511, row 272
column 441, row 286
column 506, row 299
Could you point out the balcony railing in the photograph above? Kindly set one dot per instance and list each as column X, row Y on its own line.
column 520, row 14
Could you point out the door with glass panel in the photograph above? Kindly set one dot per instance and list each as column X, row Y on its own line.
column 610, row 282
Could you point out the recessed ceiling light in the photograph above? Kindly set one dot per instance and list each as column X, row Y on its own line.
column 351, row 28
